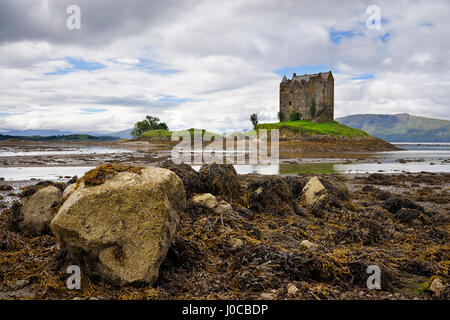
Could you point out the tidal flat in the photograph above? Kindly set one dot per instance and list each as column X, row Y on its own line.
column 273, row 244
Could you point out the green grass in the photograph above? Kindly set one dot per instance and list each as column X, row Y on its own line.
column 330, row 128
column 160, row 133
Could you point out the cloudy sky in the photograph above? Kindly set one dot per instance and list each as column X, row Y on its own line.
column 211, row 64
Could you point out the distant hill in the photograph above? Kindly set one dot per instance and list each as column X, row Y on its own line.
column 45, row 133
column 72, row 137
column 124, row 134
column 400, row 127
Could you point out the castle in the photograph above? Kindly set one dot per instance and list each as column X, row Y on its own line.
column 307, row 97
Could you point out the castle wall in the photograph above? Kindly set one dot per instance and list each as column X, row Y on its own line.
column 298, row 95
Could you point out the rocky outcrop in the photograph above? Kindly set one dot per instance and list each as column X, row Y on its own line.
column 120, row 230
column 221, row 180
column 271, row 194
column 38, row 210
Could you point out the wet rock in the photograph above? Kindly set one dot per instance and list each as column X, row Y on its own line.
column 320, row 192
column 206, row 199
column 437, row 287
column 69, row 189
column 291, row 289
column 38, row 210
column 267, row 296
column 17, row 294
column 314, row 191
column 30, row 190
column 272, row 195
column 236, row 244
column 309, row 245
column 6, row 187
column 20, row 284
column 209, row 201
column 191, row 179
column 221, row 180
column 395, row 204
column 120, row 231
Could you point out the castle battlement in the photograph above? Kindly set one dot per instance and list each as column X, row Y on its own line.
column 311, row 95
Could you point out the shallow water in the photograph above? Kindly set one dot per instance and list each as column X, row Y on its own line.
column 419, row 157
column 44, row 173
column 10, row 152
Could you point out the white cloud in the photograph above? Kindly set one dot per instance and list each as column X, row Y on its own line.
column 210, row 64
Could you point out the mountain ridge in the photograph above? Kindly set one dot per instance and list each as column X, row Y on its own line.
column 401, row 127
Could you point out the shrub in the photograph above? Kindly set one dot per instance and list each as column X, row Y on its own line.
column 294, row 116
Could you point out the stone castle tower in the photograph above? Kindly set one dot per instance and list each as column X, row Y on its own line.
column 311, row 95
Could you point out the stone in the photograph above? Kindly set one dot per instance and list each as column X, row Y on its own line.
column 120, row 231
column 236, row 244
column 209, row 201
column 267, row 296
column 314, row 191
column 6, row 187
column 68, row 190
column 20, row 284
column 37, row 210
column 223, row 208
column 308, row 244
column 437, row 287
column 206, row 199
column 292, row 289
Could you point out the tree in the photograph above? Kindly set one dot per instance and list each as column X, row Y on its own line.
column 149, row 123
column 312, row 109
column 280, row 116
column 254, row 120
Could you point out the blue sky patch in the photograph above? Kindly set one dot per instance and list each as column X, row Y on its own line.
column 171, row 99
column 154, row 67
column 367, row 76
column 336, row 35
column 385, row 37
column 77, row 65
column 93, row 110
column 288, row 71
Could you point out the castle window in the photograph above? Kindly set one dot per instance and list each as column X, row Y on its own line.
column 290, row 103
column 292, row 91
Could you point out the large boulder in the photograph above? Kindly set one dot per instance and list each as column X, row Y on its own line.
column 121, row 229
column 38, row 210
